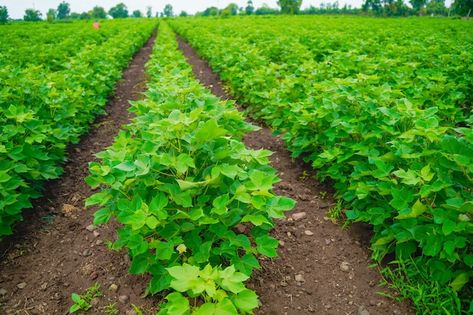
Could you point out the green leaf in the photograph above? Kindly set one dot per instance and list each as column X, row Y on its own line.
column 459, row 281
column 417, row 209
column 448, row 227
column 224, row 307
column 157, row 205
column 266, row 245
column 245, row 301
column 164, row 250
column 232, row 280
column 408, row 177
column 183, row 162
column 102, row 216
column 125, row 166
column 177, row 305
column 209, row 131
column 185, row 277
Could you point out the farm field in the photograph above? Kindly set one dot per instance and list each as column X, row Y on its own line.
column 381, row 108
column 268, row 165
column 52, row 85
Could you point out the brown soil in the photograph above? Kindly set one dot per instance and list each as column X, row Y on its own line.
column 321, row 269
column 52, row 253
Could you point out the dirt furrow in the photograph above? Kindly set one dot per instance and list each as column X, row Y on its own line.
column 55, row 251
column 322, row 269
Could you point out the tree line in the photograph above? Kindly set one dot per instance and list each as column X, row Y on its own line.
column 63, row 12
column 369, row 7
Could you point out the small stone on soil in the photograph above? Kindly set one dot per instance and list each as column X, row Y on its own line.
column 86, row 253
column 309, row 233
column 299, row 278
column 345, row 266
column 3, row 292
column 96, row 234
column 123, row 298
column 113, row 287
column 299, row 216
column 21, row 285
column 91, row 228
column 363, row 311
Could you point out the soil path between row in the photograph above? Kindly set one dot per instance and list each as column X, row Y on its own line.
column 321, row 269
column 55, row 251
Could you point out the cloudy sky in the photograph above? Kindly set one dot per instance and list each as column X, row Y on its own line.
column 16, row 8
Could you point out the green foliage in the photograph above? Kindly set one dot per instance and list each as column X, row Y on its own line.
column 179, row 180
column 387, row 119
column 463, row 7
column 3, row 14
column 98, row 13
column 137, row 14
column 290, row 6
column 63, row 10
column 83, row 302
column 119, row 11
column 32, row 15
column 50, row 94
column 168, row 10
column 221, row 290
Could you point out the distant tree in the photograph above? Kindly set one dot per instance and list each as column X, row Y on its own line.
column 119, row 11
column 137, row 14
column 168, row 10
column 417, row 5
column 183, row 13
column 211, row 11
column 74, row 16
column 149, row 12
column 51, row 15
column 86, row 15
column 32, row 15
column 266, row 10
column 436, row 7
column 250, row 9
column 463, row 7
column 63, row 10
column 290, row 6
column 373, row 5
column 232, row 8
column 3, row 14
column 98, row 13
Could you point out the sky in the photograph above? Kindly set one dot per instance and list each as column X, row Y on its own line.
column 16, row 8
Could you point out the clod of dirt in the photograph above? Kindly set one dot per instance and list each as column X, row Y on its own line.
column 91, row 228
column 113, row 287
column 21, row 285
column 363, row 311
column 298, row 216
column 123, row 298
column 3, row 292
column 299, row 278
column 345, row 266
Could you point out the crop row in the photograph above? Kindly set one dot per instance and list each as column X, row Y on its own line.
column 41, row 111
column 386, row 118
column 180, row 181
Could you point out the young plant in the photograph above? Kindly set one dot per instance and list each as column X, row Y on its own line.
column 83, row 302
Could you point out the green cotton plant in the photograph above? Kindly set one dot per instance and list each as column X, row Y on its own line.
column 180, row 182
column 49, row 96
column 387, row 119
column 208, row 291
